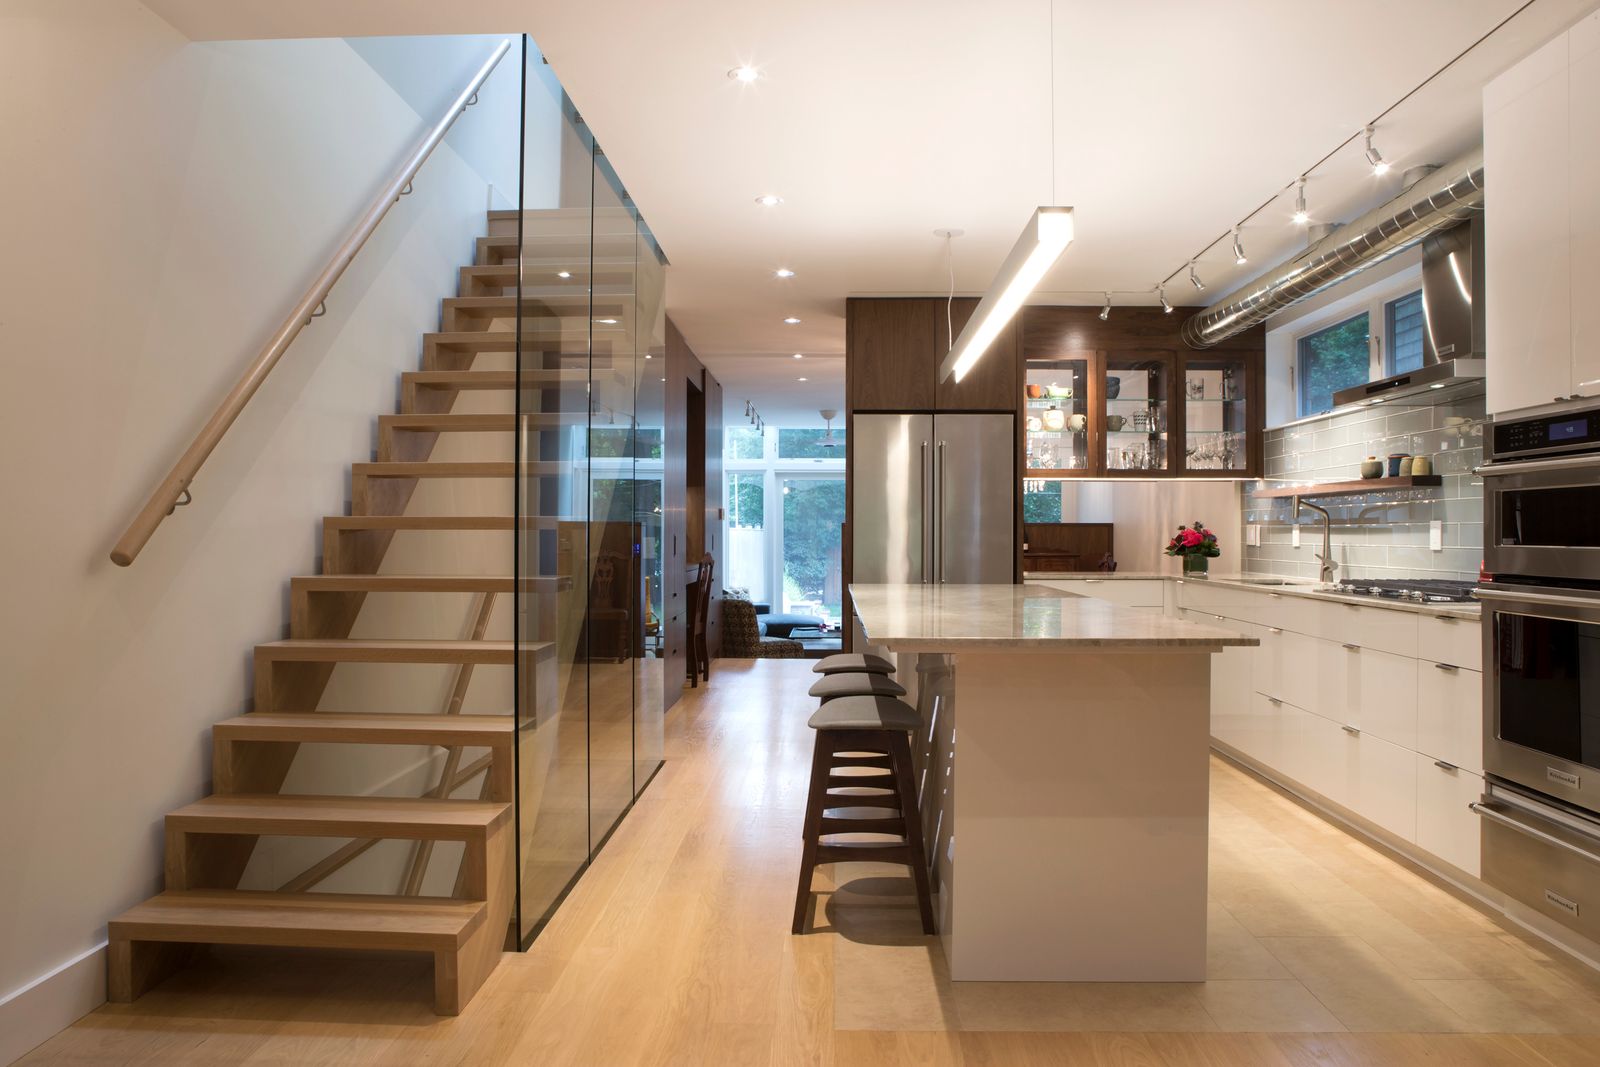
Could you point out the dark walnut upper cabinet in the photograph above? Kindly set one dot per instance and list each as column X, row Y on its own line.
column 895, row 345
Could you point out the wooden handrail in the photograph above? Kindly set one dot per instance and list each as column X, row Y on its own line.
column 173, row 489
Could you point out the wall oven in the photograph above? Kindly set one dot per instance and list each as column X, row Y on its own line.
column 1541, row 653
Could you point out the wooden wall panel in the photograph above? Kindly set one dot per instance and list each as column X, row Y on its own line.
column 890, row 347
column 995, row 382
column 683, row 372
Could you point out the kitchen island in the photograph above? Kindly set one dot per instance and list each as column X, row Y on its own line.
column 1069, row 837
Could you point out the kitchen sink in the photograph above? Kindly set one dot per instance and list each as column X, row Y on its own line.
column 1264, row 581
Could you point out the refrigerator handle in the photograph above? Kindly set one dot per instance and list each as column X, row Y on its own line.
column 938, row 508
column 927, row 487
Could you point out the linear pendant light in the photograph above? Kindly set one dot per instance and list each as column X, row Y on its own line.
column 1046, row 236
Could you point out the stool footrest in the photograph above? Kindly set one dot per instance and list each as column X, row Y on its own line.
column 863, row 852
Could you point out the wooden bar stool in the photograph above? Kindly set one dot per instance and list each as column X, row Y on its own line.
column 833, row 686
column 883, row 803
column 853, row 663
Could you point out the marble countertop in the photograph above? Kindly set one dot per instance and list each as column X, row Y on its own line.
column 1300, row 587
column 1021, row 618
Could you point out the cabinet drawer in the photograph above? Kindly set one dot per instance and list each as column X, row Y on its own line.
column 1557, row 882
column 1289, row 668
column 1386, row 700
column 1450, row 714
column 1447, row 639
column 1379, row 783
column 1446, row 827
column 1383, row 629
column 1129, row 592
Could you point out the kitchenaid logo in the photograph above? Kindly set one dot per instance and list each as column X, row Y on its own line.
column 1563, row 777
column 1568, row 906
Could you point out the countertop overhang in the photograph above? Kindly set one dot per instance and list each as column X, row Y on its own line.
column 1021, row 618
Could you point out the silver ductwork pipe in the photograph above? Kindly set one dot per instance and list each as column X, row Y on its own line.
column 1443, row 198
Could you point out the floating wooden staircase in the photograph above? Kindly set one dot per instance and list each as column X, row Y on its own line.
column 209, row 843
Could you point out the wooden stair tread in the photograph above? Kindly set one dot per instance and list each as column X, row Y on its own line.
column 494, row 379
column 450, row 423
column 346, row 650
column 368, row 728
column 574, row 295
column 429, row 469
column 406, row 583
column 306, row 920
column 293, row 815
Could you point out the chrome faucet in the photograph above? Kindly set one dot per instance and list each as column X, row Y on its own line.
column 1325, row 575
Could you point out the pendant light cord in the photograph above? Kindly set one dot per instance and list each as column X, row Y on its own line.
column 1053, row 200
column 949, row 304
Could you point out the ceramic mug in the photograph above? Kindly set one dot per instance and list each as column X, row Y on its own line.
column 1078, row 423
column 1054, row 420
column 1034, row 424
column 1115, row 422
column 1035, row 392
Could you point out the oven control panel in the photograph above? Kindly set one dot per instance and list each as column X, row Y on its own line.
column 1574, row 431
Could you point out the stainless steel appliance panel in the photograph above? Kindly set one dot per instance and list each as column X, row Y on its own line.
column 1543, row 856
column 974, row 486
column 1542, row 517
column 892, row 463
column 1541, row 698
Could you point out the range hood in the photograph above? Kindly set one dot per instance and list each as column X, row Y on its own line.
column 1452, row 309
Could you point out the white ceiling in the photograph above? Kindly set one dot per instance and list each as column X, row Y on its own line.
column 880, row 122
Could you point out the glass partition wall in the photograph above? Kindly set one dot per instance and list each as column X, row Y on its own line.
column 589, row 340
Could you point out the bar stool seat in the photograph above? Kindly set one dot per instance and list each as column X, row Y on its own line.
column 865, row 712
column 853, row 663
column 831, row 687
column 875, row 803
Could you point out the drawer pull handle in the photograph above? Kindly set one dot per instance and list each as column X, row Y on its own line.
column 1351, row 730
column 1451, row 667
column 1443, row 766
column 1522, row 828
column 1352, row 648
column 1447, row 618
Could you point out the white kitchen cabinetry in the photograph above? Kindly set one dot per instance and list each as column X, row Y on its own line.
column 1584, row 75
column 1446, row 827
column 1450, row 714
column 1452, row 640
column 1356, row 704
column 1541, row 145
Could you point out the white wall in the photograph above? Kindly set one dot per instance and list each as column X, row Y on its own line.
column 164, row 204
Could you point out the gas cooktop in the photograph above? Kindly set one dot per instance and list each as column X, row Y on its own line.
column 1421, row 590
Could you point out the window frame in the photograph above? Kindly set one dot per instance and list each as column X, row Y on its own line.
column 773, row 471
column 1374, row 303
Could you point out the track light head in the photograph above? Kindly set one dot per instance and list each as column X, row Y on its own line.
column 1238, row 249
column 1161, row 292
column 1105, row 312
column 1379, row 166
column 1194, row 279
column 1301, row 215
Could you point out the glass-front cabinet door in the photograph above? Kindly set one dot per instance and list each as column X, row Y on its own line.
column 1219, row 399
column 1057, row 417
column 1137, row 412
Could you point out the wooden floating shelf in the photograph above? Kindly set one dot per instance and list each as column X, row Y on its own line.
column 1352, row 488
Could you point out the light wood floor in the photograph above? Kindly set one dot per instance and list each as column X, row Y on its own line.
column 674, row 949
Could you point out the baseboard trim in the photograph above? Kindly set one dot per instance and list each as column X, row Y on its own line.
column 49, row 1004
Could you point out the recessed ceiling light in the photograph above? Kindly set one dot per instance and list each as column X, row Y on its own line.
column 800, row 379
column 744, row 74
column 792, row 321
column 769, row 200
column 783, row 272
column 799, row 355
column 648, row 356
column 606, row 322
column 563, row 274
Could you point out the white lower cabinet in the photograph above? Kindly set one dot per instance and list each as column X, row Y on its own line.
column 1128, row 592
column 1446, row 827
column 1450, row 714
column 1382, row 785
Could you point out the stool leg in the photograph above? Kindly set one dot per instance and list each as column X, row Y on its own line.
column 900, row 750
column 816, row 800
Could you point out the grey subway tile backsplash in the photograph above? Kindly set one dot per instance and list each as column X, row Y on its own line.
column 1382, row 534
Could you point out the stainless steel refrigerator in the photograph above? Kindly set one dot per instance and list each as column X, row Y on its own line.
column 933, row 498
